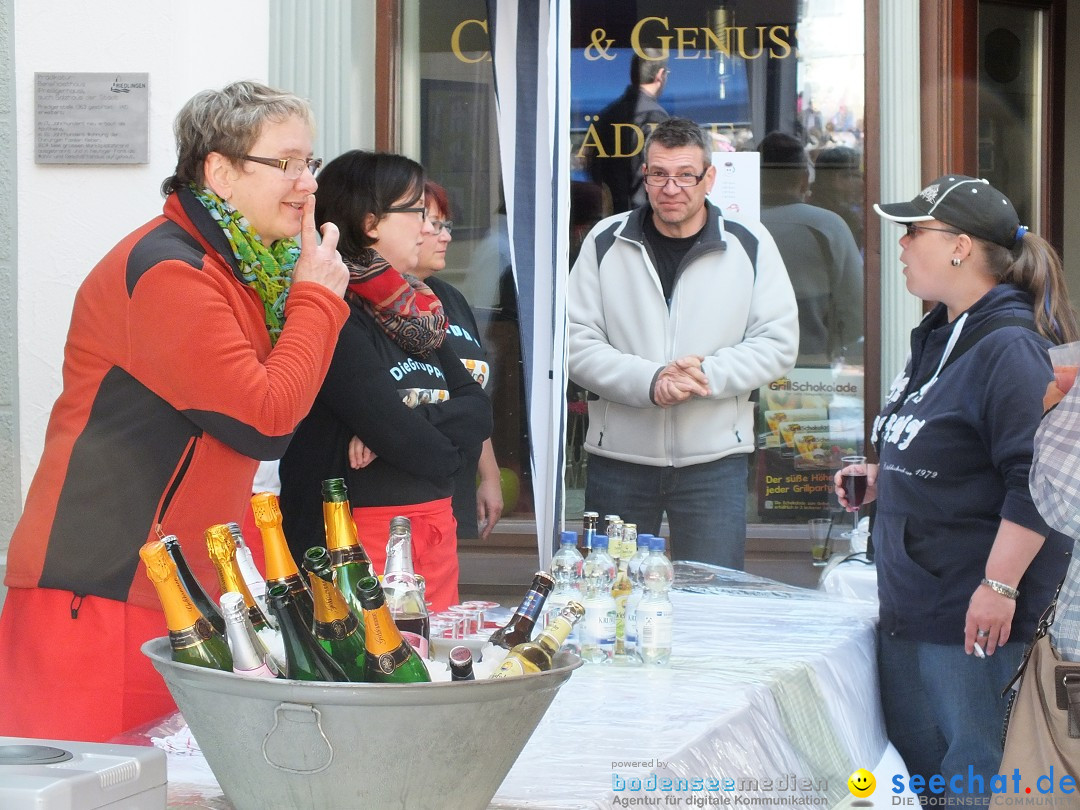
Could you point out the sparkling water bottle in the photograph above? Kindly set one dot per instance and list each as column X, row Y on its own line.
column 597, row 630
column 636, row 591
column 566, row 567
column 654, row 611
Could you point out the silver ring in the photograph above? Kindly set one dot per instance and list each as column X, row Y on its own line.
column 982, row 633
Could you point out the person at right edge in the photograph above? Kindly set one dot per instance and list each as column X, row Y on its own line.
column 676, row 317
column 965, row 562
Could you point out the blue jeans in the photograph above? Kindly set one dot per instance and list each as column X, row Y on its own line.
column 943, row 708
column 705, row 504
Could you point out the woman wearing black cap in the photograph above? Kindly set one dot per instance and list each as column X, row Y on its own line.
column 965, row 562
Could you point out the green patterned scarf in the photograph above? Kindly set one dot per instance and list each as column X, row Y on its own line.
column 268, row 271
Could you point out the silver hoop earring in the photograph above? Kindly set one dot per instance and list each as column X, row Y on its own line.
column 955, row 261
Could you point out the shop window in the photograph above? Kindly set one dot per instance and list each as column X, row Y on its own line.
column 743, row 69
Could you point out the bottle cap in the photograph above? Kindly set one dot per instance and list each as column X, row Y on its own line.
column 567, row 538
column 600, row 541
column 656, row 543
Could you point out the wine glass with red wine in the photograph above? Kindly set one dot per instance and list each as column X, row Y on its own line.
column 853, row 476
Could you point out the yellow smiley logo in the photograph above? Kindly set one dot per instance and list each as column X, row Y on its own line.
column 861, row 783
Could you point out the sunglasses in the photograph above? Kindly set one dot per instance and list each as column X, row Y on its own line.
column 913, row 229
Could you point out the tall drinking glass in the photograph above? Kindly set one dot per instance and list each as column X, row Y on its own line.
column 853, row 474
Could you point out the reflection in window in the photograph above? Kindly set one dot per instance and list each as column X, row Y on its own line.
column 459, row 149
column 743, row 70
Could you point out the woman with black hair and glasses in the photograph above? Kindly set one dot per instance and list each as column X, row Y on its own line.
column 966, row 564
column 398, row 411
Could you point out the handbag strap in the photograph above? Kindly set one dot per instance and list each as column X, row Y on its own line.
column 1041, row 630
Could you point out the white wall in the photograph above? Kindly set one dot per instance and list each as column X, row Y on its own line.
column 69, row 216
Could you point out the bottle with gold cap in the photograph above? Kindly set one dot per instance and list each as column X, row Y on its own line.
column 538, row 656
column 221, row 546
column 281, row 568
column 337, row 628
column 390, row 659
column 250, row 656
column 191, row 584
column 347, row 556
column 192, row 638
column 305, row 658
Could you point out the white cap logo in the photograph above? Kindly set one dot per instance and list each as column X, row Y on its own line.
column 930, row 193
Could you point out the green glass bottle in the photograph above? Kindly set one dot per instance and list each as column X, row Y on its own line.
column 537, row 656
column 336, row 627
column 305, row 659
column 347, row 556
column 198, row 594
column 193, row 639
column 390, row 659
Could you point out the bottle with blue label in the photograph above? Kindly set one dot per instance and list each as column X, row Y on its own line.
column 636, row 591
column 566, row 568
column 655, row 612
column 597, row 629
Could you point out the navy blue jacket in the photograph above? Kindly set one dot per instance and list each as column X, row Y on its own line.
column 954, row 462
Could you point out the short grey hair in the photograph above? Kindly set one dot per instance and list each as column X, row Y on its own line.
column 675, row 132
column 228, row 121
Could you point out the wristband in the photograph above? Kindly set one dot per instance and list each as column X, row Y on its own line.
column 1000, row 587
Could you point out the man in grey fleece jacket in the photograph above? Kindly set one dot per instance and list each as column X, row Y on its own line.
column 676, row 316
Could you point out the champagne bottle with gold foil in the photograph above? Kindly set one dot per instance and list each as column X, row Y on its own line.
column 521, row 624
column 222, row 550
column 305, row 658
column 347, row 556
column 195, row 590
column 280, row 566
column 390, row 659
column 537, row 656
column 250, row 656
column 192, row 638
column 336, row 627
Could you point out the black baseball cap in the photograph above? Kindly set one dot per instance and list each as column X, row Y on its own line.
column 967, row 203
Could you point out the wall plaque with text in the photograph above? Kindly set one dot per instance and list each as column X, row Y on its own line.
column 91, row 117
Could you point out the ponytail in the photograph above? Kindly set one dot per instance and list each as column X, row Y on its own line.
column 1034, row 266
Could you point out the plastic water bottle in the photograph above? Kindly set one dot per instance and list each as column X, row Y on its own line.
column 566, row 569
column 654, row 611
column 597, row 631
column 636, row 591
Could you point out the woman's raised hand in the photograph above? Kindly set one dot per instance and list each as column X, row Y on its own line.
column 320, row 261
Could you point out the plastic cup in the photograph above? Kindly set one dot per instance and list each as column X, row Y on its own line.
column 820, row 530
column 482, row 606
column 470, row 618
column 1066, row 360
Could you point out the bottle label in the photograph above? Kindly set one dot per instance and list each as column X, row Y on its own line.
column 598, row 626
column 655, row 627
column 388, row 662
column 348, row 554
column 530, row 606
column 191, row 636
column 337, row 629
column 417, row 642
column 509, row 668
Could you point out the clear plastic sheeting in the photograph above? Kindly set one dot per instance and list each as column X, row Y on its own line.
column 772, row 693
column 852, row 577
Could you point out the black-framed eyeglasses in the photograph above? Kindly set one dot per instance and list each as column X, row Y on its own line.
column 440, row 225
column 411, row 209
column 292, row 168
column 913, row 229
column 684, row 180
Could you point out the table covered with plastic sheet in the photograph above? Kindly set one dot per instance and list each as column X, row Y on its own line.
column 770, row 700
